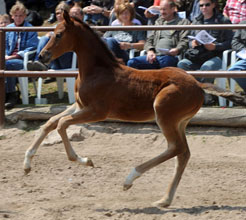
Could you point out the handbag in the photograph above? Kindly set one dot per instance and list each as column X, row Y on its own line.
column 199, row 54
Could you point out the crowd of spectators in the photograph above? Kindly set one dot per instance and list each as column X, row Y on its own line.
column 162, row 47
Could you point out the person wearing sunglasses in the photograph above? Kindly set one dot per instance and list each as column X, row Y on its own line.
column 209, row 15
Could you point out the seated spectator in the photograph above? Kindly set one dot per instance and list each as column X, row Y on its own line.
column 235, row 10
column 113, row 21
column 238, row 44
column 17, row 44
column 223, row 42
column 98, row 12
column 175, row 42
column 120, row 42
column 61, row 62
column 77, row 12
column 4, row 20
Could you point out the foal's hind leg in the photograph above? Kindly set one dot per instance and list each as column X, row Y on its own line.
column 172, row 116
column 181, row 162
column 46, row 128
column 177, row 146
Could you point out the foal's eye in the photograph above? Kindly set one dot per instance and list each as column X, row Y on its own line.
column 58, row 36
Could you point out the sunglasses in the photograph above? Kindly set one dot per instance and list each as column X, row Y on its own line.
column 206, row 5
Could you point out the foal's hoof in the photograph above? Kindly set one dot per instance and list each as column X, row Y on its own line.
column 27, row 170
column 127, row 186
column 89, row 163
column 162, row 203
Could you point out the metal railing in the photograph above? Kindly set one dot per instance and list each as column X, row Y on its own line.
column 4, row 73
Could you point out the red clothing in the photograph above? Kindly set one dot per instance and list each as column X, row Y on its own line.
column 157, row 2
column 235, row 10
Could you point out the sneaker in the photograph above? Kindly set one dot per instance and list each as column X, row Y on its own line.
column 30, row 66
column 40, row 66
column 36, row 66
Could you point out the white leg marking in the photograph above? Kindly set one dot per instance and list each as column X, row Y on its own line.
column 130, row 178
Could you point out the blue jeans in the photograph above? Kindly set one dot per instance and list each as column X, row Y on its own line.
column 239, row 65
column 62, row 62
column 114, row 46
column 160, row 62
column 10, row 82
column 214, row 63
column 41, row 44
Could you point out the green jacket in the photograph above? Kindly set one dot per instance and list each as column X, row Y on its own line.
column 174, row 38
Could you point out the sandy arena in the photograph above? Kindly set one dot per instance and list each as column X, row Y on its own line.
column 213, row 185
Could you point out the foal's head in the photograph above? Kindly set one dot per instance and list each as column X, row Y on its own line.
column 61, row 41
column 74, row 35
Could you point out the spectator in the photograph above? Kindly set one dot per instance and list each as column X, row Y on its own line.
column 115, row 21
column 120, row 42
column 4, row 20
column 223, row 42
column 174, row 41
column 239, row 44
column 235, row 10
column 17, row 43
column 77, row 12
column 98, row 12
column 61, row 62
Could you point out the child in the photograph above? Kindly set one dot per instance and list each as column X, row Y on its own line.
column 4, row 20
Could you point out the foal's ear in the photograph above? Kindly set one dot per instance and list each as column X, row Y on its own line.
column 67, row 17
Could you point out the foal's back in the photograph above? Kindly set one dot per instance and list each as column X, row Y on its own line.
column 135, row 93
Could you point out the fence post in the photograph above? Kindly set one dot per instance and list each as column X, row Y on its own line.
column 2, row 83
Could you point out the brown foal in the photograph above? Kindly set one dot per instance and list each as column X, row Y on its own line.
column 105, row 89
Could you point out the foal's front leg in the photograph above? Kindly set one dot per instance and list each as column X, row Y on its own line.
column 46, row 129
column 84, row 115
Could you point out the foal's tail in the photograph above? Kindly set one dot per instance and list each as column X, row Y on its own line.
column 212, row 89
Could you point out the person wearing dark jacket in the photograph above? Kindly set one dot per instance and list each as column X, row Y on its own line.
column 209, row 15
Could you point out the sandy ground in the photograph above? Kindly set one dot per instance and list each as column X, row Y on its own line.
column 213, row 185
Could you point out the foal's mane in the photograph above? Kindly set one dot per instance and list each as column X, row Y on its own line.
column 108, row 53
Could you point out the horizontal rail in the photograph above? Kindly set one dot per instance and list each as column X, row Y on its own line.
column 139, row 27
column 3, row 73
column 57, row 73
